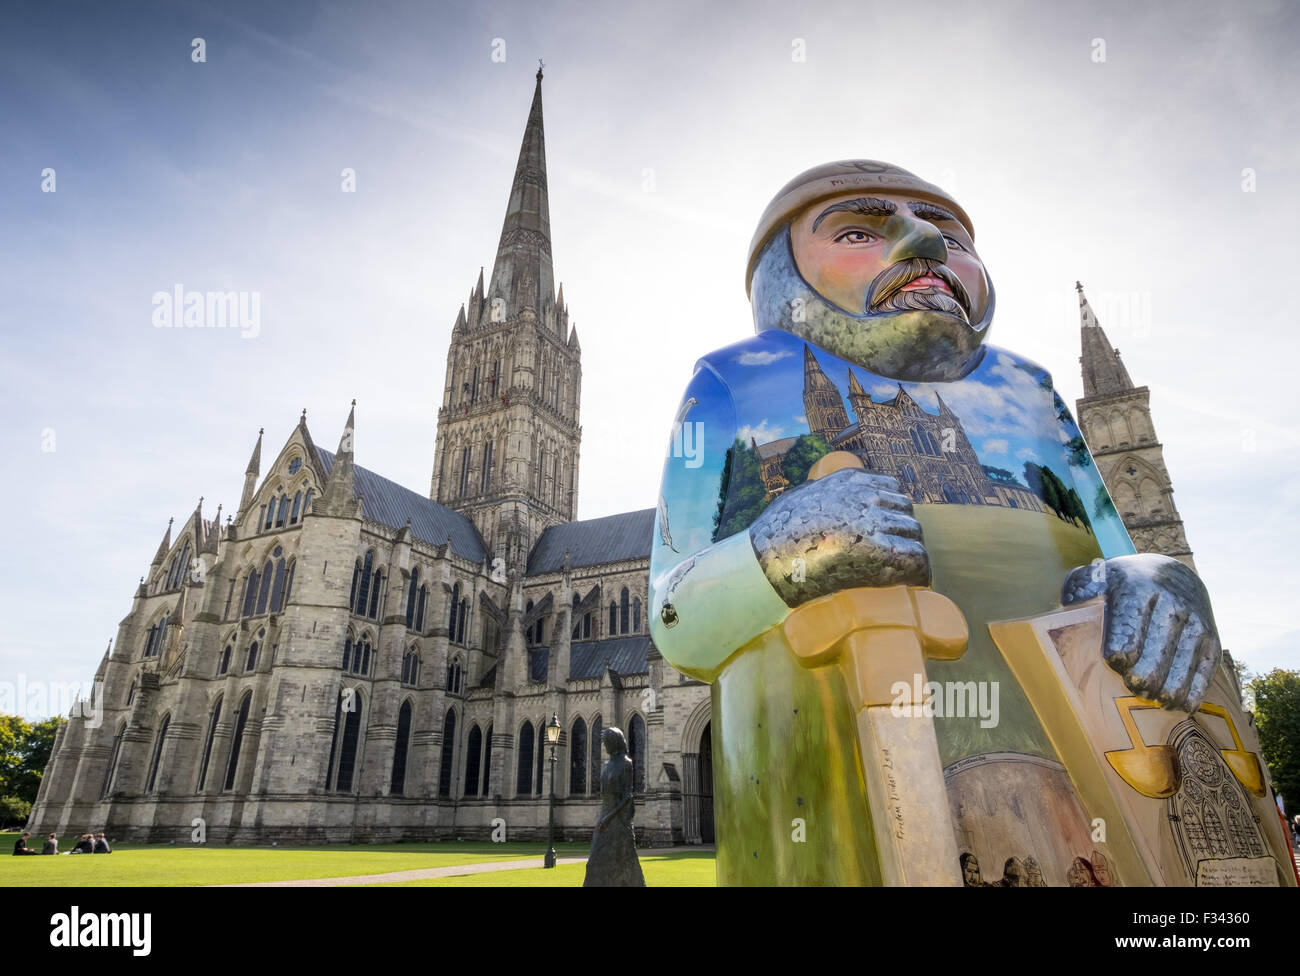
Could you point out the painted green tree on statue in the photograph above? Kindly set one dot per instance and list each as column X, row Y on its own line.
column 742, row 494
column 803, row 454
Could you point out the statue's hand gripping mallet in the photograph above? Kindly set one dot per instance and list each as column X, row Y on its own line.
column 880, row 638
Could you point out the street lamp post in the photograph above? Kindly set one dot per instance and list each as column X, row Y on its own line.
column 553, row 737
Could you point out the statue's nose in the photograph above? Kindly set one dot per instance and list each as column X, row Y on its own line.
column 921, row 239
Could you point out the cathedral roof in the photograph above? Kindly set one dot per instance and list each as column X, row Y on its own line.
column 392, row 504
column 626, row 655
column 773, row 448
column 591, row 542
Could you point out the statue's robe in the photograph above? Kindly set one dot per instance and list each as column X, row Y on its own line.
column 974, row 455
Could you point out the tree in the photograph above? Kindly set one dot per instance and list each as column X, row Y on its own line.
column 24, row 753
column 1001, row 475
column 742, row 495
column 1034, row 478
column 1102, row 506
column 1277, row 719
column 803, row 454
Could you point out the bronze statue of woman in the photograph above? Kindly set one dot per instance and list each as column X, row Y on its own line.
column 613, row 861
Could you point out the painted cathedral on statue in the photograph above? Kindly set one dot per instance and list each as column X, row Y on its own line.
column 346, row 659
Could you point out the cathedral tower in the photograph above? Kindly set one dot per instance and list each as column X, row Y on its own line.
column 506, row 452
column 1115, row 417
column 821, row 399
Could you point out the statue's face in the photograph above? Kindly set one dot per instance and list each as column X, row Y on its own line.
column 883, row 280
column 889, row 252
column 972, row 872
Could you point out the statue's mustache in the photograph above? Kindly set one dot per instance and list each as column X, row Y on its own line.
column 890, row 282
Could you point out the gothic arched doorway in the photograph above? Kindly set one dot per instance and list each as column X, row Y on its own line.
column 706, row 785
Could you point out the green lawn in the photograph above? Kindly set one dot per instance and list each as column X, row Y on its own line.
column 679, row 869
column 154, row 865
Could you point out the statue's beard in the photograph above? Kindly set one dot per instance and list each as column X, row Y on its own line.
column 919, row 335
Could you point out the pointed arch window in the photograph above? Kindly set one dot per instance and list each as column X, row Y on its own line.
column 485, row 476
column 277, row 587
column 375, row 588
column 156, row 760
column 578, row 757
column 636, row 751
column 297, row 508
column 623, row 608
column 524, row 773
column 448, row 747
column 306, row 502
column 112, row 763
column 411, row 592
column 455, row 675
column 411, row 667
column 351, row 737
column 636, row 615
column 397, row 782
column 541, row 758
column 130, row 694
column 597, row 753
column 282, row 515
column 241, row 723
column 224, row 666
column 270, row 515
column 250, row 594
column 419, row 608
column 464, row 472
column 213, row 719
column 613, row 618
column 250, row 659
column 264, row 588
column 473, row 749
column 363, row 589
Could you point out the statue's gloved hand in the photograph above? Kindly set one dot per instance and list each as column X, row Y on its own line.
column 1160, row 633
column 848, row 529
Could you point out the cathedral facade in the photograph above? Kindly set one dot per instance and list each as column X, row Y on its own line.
column 350, row 660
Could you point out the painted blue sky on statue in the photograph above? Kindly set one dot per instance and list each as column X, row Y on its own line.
column 757, row 414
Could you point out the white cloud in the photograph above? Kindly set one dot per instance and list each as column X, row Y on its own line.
column 762, row 433
column 757, row 358
column 995, row 446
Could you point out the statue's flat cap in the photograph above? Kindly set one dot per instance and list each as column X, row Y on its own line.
column 836, row 179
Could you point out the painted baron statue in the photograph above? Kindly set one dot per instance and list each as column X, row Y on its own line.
column 935, row 655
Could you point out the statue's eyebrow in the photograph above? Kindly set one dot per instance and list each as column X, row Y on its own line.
column 930, row 211
column 867, row 206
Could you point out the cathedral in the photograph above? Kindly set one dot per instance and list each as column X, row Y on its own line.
column 348, row 660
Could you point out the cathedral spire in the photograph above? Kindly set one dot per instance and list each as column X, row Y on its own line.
column 340, row 488
column 1103, row 371
column 522, row 274
column 250, row 475
column 165, row 546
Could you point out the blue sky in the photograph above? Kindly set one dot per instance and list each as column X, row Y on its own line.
column 669, row 126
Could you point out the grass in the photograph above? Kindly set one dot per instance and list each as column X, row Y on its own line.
column 675, row 870
column 159, row 866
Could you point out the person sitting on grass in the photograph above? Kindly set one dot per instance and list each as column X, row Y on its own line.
column 101, row 844
column 86, row 845
column 51, row 844
column 20, row 845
